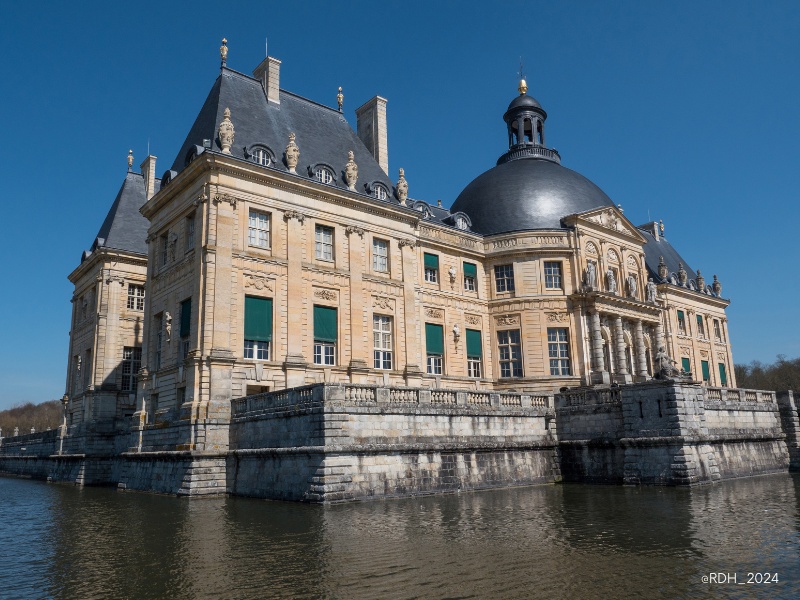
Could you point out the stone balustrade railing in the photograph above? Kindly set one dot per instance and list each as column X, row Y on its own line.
column 373, row 395
column 588, row 396
column 721, row 394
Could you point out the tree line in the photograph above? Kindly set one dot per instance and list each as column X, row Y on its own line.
column 46, row 415
column 782, row 375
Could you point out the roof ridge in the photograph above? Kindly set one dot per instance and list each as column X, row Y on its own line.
column 314, row 102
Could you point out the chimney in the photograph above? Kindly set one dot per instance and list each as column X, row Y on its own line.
column 269, row 73
column 148, row 168
column 371, row 126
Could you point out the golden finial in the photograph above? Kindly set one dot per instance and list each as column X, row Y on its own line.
column 130, row 159
column 340, row 98
column 523, row 87
column 223, row 51
column 661, row 226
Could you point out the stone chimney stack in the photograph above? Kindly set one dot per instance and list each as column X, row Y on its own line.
column 269, row 73
column 371, row 126
column 148, row 168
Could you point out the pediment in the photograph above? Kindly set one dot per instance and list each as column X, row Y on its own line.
column 610, row 218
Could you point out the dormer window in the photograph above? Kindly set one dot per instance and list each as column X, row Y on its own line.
column 323, row 175
column 261, row 156
column 423, row 208
column 461, row 223
column 379, row 192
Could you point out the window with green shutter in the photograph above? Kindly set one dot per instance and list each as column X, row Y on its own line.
column 257, row 319
column 723, row 376
column 186, row 317
column 325, row 329
column 470, row 276
column 687, row 366
column 474, row 346
column 434, row 339
column 706, row 372
column 431, row 261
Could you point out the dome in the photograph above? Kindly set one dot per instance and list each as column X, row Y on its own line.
column 528, row 189
column 527, row 193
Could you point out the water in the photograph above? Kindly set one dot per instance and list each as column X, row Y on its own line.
column 557, row 541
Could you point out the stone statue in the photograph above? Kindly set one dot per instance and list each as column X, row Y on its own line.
column 611, row 281
column 663, row 271
column 292, row 154
column 590, row 278
column 168, row 325
column 701, row 282
column 402, row 188
column 651, row 291
column 351, row 172
column 682, row 275
column 633, row 286
column 716, row 286
column 130, row 159
column 226, row 132
column 664, row 365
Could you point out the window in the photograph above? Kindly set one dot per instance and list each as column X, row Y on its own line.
column 258, row 229
column 723, row 376
column 323, row 175
column 706, row 372
column 504, row 278
column 131, row 363
column 431, row 262
column 461, row 223
column 181, row 396
column 153, row 408
column 434, row 347
column 87, row 369
column 164, row 249
column 323, row 242
column 470, row 276
column 257, row 327
column 186, row 323
column 474, row 353
column 159, row 329
column 382, row 341
column 380, row 255
column 681, row 323
column 189, row 233
column 262, row 157
column 717, row 331
column 84, row 305
column 379, row 192
column 552, row 275
column 76, row 378
column 510, row 353
column 135, row 297
column 325, row 330
column 701, row 330
column 686, row 364
column 558, row 351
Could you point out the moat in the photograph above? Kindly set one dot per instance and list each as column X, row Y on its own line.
column 548, row 541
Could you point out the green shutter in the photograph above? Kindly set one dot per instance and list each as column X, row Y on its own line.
column 434, row 339
column 257, row 319
column 699, row 320
column 470, row 270
column 706, row 374
column 723, row 376
column 431, row 261
column 186, row 317
column 687, row 366
column 474, row 346
column 324, row 324
column 680, row 315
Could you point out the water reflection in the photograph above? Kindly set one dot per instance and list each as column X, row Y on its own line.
column 537, row 542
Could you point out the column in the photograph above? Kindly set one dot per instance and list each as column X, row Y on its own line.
column 599, row 367
column 641, row 359
column 659, row 333
column 295, row 363
column 413, row 373
column 619, row 347
column 359, row 348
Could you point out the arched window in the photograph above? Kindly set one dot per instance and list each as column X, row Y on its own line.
column 379, row 192
column 262, row 157
column 461, row 222
column 323, row 175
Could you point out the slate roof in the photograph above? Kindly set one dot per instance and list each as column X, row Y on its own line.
column 124, row 227
column 655, row 248
column 323, row 134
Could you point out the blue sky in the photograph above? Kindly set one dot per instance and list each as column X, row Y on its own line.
column 682, row 111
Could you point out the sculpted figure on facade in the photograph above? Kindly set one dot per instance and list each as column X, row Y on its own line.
column 590, row 277
column 226, row 132
column 351, row 172
column 292, row 154
column 402, row 188
column 168, row 325
column 651, row 291
column 611, row 281
column 664, row 365
column 633, row 286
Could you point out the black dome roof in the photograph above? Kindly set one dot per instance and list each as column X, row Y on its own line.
column 527, row 193
column 525, row 101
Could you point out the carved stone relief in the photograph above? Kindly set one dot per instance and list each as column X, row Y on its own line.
column 556, row 317
column 293, row 214
column 472, row 319
column 383, row 303
column 591, row 248
column 612, row 255
column 685, row 351
column 507, row 320
column 329, row 295
column 353, row 229
column 434, row 313
column 257, row 282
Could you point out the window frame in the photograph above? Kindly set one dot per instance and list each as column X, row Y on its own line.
column 558, row 352
column 681, row 317
column 382, row 340
column 553, row 280
column 321, row 244
column 135, row 299
column 257, row 155
column 701, row 327
column 258, row 228
column 130, row 367
column 190, row 222
column 323, row 175
column 504, row 278
column 324, row 352
column 377, row 256
column 509, row 361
